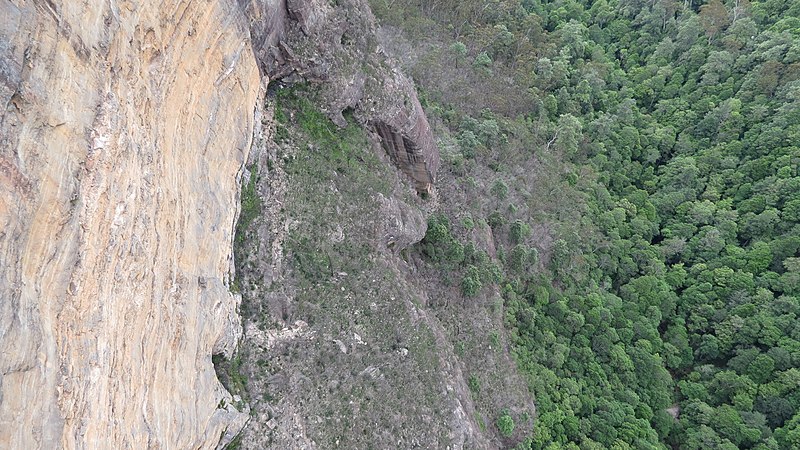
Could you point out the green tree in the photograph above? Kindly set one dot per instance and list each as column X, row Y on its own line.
column 459, row 52
column 471, row 282
column 505, row 424
column 483, row 62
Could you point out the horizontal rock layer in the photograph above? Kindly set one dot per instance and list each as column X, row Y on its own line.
column 124, row 127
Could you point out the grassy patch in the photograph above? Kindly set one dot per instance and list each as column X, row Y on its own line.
column 229, row 374
column 251, row 205
column 251, row 208
column 334, row 177
column 325, row 147
column 481, row 422
column 474, row 385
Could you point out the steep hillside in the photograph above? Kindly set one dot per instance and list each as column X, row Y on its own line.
column 638, row 165
column 350, row 341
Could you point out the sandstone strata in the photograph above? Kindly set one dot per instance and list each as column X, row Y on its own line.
column 124, row 127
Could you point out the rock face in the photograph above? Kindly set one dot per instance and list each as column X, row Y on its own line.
column 407, row 138
column 124, row 129
column 125, row 125
column 336, row 48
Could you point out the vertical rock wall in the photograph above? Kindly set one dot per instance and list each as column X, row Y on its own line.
column 124, row 126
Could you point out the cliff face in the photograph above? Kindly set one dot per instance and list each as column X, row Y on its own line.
column 124, row 132
column 124, row 127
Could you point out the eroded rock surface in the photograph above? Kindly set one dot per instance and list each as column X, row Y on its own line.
column 123, row 129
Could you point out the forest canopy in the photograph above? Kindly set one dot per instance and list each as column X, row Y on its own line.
column 663, row 312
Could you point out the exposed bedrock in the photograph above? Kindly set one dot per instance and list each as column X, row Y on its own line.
column 124, row 127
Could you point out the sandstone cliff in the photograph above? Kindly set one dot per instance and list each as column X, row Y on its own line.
column 124, row 133
column 124, row 127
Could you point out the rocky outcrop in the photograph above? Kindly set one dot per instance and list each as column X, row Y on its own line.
column 406, row 136
column 336, row 48
column 123, row 129
column 402, row 225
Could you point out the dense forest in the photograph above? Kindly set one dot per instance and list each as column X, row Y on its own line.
column 637, row 163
